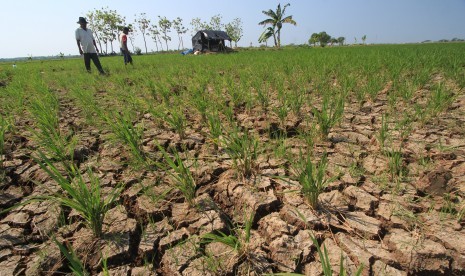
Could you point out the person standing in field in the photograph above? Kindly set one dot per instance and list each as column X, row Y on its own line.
column 87, row 46
column 123, row 38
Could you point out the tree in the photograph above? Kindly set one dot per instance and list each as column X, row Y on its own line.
column 132, row 35
column 143, row 23
column 332, row 40
column 314, row 39
column 165, row 28
column 234, row 30
column 155, row 34
column 197, row 25
column 105, row 24
column 113, row 22
column 324, row 38
column 341, row 40
column 180, row 30
column 215, row 23
column 267, row 33
column 96, row 25
column 276, row 20
column 364, row 38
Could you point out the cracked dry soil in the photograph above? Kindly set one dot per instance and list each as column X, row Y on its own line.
column 391, row 227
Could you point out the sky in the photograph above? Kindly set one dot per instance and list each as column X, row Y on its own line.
column 46, row 27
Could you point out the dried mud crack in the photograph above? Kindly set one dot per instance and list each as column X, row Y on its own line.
column 390, row 207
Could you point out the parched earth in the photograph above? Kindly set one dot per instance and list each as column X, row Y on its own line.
column 402, row 226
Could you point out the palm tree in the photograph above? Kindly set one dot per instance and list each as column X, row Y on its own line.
column 276, row 21
column 267, row 33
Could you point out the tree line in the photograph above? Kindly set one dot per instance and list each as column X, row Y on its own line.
column 107, row 24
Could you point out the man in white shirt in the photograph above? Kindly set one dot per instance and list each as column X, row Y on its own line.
column 87, row 46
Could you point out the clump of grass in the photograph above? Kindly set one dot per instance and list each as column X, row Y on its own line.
column 330, row 114
column 461, row 212
column 75, row 264
column 263, row 96
column 180, row 174
column 125, row 131
column 281, row 112
column 215, row 127
column 326, row 262
column 311, row 177
column 439, row 100
column 396, row 164
column 4, row 128
column 201, row 103
column 238, row 238
column 47, row 132
column 383, row 134
column 324, row 257
column 177, row 120
column 243, row 149
column 85, row 198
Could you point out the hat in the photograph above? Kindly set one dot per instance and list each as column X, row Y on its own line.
column 82, row 20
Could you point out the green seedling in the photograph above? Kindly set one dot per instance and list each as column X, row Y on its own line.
column 180, row 173
column 177, row 120
column 85, row 198
column 75, row 265
column 215, row 127
column 238, row 239
column 330, row 114
column 243, row 150
column 311, row 177
column 126, row 132
column 383, row 133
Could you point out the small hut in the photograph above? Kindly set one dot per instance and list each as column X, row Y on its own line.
column 208, row 40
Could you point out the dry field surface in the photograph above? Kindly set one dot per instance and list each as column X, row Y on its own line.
column 394, row 205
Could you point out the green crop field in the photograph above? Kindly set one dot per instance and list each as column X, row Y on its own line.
column 300, row 160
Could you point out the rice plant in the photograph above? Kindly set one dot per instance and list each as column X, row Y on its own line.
column 330, row 114
column 326, row 262
column 85, row 198
column 311, row 177
column 324, row 257
column 461, row 212
column 396, row 164
column 180, row 174
column 383, row 133
column 215, row 127
column 75, row 264
column 263, row 96
column 5, row 126
column 177, row 120
column 439, row 100
column 243, row 150
column 126, row 132
column 281, row 112
column 47, row 131
column 200, row 102
column 238, row 238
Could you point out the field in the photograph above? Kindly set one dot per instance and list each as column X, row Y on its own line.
column 301, row 160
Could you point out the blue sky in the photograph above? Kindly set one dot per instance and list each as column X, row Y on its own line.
column 46, row 27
